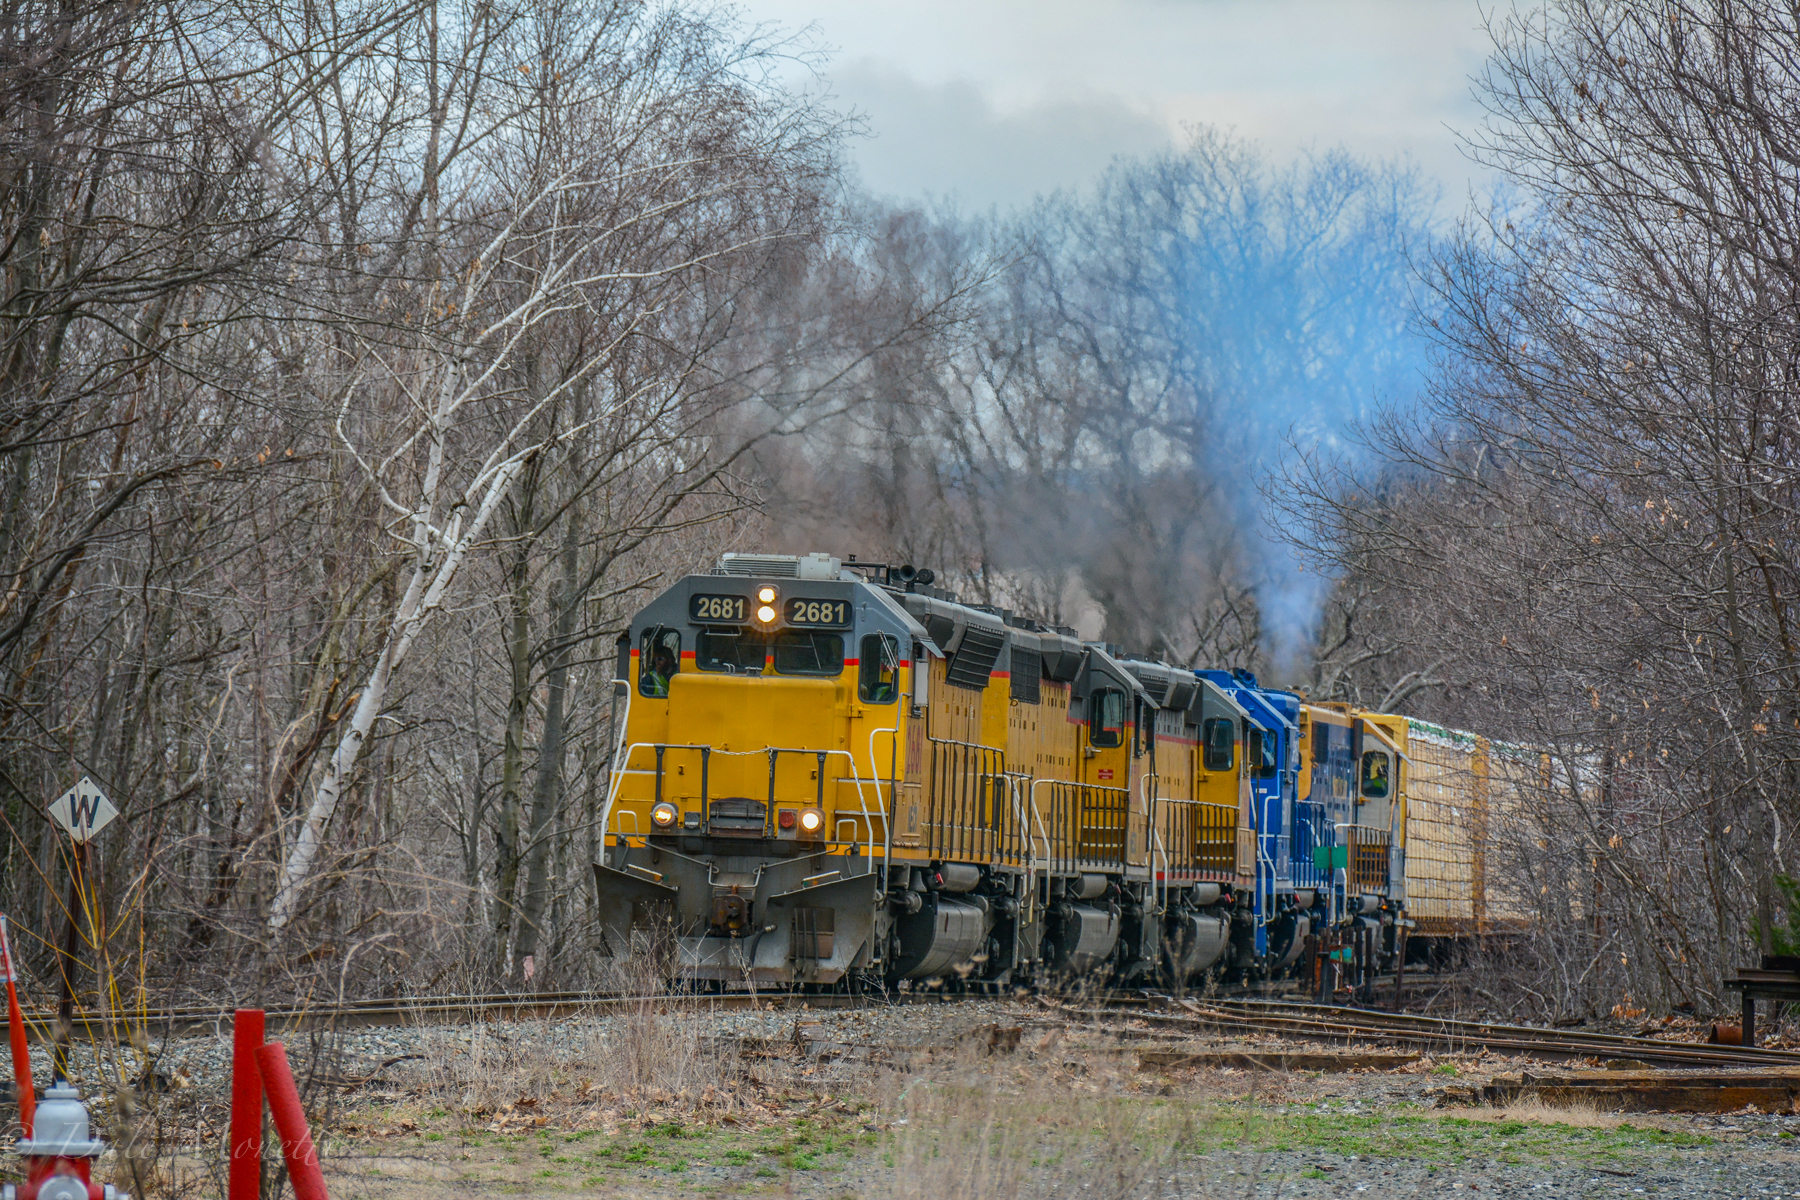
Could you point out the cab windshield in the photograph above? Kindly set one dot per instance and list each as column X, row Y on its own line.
column 742, row 651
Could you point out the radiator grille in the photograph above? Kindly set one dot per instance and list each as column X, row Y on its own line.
column 975, row 657
column 1026, row 664
column 771, row 566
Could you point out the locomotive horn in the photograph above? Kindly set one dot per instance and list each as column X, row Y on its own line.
column 906, row 574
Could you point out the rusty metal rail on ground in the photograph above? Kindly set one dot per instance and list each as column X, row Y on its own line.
column 1715, row 1091
column 1338, row 1024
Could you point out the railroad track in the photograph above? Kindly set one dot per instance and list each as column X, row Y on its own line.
column 1326, row 1023
column 475, row 1007
column 1339, row 1024
column 430, row 1010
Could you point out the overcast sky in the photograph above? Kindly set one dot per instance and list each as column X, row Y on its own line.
column 994, row 101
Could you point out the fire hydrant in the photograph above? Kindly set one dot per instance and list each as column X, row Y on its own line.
column 60, row 1152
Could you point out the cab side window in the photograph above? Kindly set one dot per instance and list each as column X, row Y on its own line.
column 659, row 658
column 1377, row 769
column 1268, row 747
column 1220, row 737
column 1106, row 718
column 878, row 669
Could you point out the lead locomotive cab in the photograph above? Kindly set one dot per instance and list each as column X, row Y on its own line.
column 756, row 767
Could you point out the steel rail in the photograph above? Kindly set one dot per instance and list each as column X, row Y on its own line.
column 444, row 1010
column 1409, row 1022
column 1454, row 1035
column 1316, row 1022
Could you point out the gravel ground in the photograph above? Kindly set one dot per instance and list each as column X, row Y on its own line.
column 1737, row 1172
column 204, row 1062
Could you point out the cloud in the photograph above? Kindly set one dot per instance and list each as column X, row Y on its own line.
column 997, row 100
column 949, row 139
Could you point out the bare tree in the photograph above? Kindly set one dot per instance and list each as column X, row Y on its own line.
column 1596, row 515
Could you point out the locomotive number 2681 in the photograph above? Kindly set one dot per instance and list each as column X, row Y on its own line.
column 833, row 614
column 717, row 608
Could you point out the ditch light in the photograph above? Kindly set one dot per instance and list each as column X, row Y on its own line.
column 810, row 822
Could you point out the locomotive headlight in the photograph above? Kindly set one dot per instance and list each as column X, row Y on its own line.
column 664, row 815
column 765, row 614
column 811, row 821
column 765, row 595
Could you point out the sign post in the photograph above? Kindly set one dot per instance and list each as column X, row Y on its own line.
column 82, row 811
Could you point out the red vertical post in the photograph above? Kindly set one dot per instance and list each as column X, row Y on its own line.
column 245, row 1179
column 15, row 1027
column 290, row 1123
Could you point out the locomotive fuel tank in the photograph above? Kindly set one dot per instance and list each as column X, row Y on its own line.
column 944, row 935
column 1081, row 937
column 1196, row 940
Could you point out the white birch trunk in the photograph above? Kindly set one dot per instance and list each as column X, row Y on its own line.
column 439, row 555
column 424, row 594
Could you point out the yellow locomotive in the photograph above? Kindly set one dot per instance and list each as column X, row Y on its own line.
column 835, row 774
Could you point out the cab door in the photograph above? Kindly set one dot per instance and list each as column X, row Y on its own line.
column 1141, row 771
column 1105, row 771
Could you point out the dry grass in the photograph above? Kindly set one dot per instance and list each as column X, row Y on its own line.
column 1576, row 1114
column 654, row 1054
column 1012, row 1127
column 993, row 1143
column 650, row 1105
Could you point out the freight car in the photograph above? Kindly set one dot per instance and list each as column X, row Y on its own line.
column 838, row 775
column 1457, row 786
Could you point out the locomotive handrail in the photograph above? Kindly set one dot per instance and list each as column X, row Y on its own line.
column 663, row 748
column 1262, row 857
column 862, row 803
column 1030, row 845
column 1039, row 814
column 620, row 771
column 1349, row 868
column 955, row 816
column 1019, row 836
column 1079, row 793
column 887, row 825
column 1201, row 831
column 1161, row 877
column 621, row 753
column 1256, row 815
column 1148, row 786
column 775, row 753
column 618, row 777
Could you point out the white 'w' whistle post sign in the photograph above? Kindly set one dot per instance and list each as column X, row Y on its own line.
column 82, row 811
